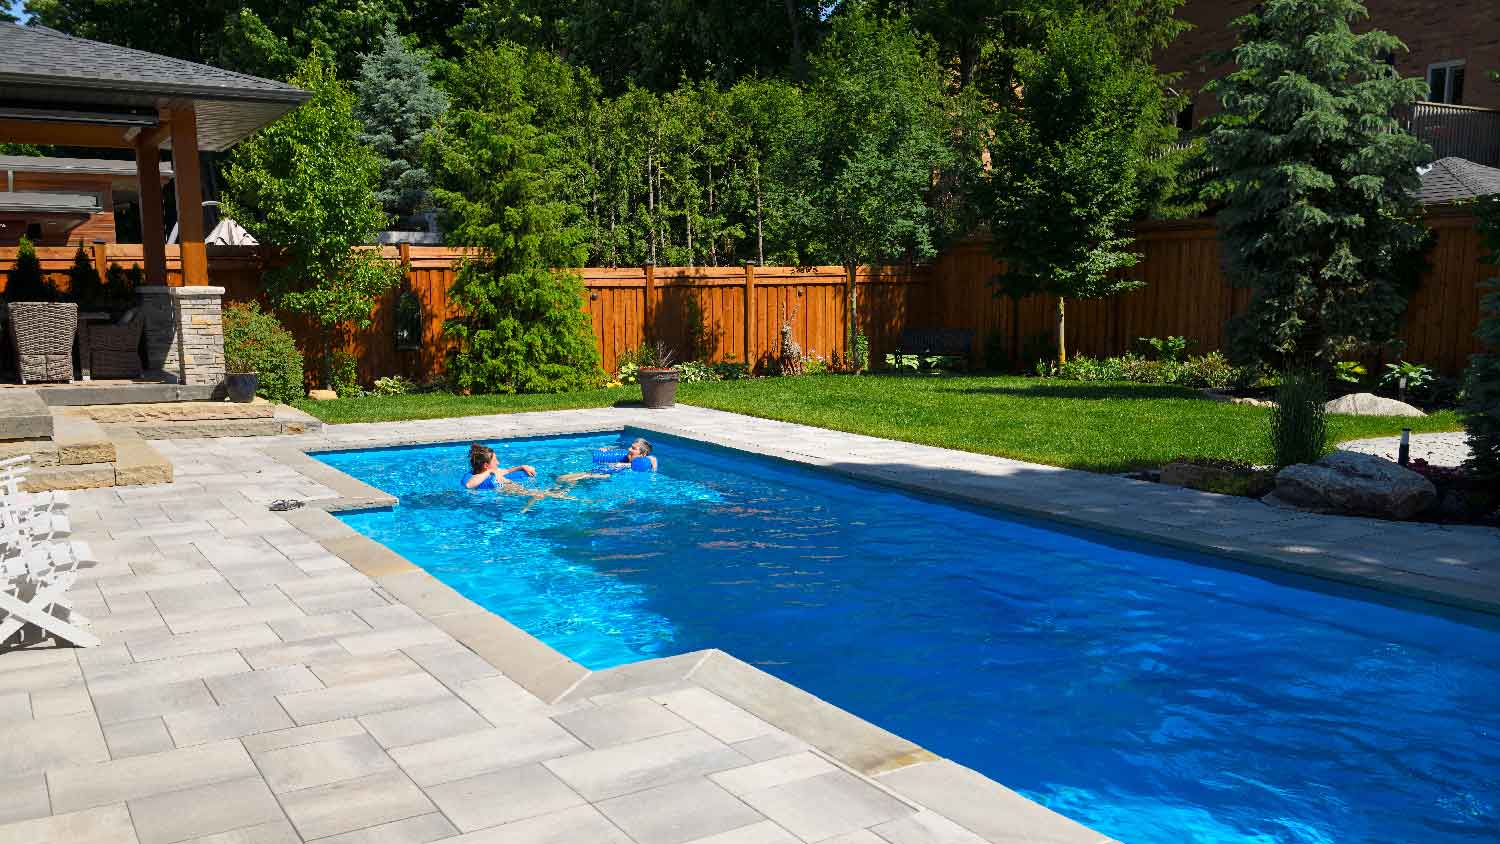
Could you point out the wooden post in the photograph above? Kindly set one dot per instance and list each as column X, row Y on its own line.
column 751, row 352
column 648, row 306
column 189, row 197
column 101, row 258
column 153, row 236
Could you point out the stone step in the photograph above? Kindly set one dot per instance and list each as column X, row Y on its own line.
column 69, row 395
column 185, row 411
column 23, row 415
column 82, row 476
column 81, row 441
column 137, row 463
column 285, row 420
column 43, row 452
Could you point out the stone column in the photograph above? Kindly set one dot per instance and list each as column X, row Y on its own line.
column 184, row 333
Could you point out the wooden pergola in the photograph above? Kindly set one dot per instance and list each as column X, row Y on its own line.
column 59, row 90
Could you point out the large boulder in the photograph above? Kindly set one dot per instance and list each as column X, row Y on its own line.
column 1355, row 485
column 1369, row 404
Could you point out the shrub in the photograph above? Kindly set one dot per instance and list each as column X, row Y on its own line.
column 1163, row 348
column 693, row 372
column 1481, row 408
column 344, row 375
column 393, row 385
column 731, row 371
column 254, row 341
column 1299, row 427
column 27, row 283
column 1212, row 370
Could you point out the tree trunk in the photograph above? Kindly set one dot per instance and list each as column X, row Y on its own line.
column 791, row 19
column 760, row 230
column 853, row 332
column 325, row 337
column 1062, row 336
column 651, row 204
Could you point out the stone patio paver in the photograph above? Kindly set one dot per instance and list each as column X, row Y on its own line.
column 255, row 687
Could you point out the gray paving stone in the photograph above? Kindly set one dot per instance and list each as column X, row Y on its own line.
column 110, row 627
column 333, row 581
column 28, row 676
column 391, row 615
column 204, row 810
column 262, row 684
column 357, row 699
column 395, row 638
column 296, row 653
column 139, row 702
column 83, row 787
column 613, row 771
column 468, row 754
column 130, row 602
column 218, row 595
column 452, row 663
column 269, row 574
column 319, row 626
column 192, row 622
column 322, row 763
column 621, row 723
column 303, row 735
column 275, row 832
column 774, row 772
column 714, row 715
column 232, row 720
column 354, row 804
column 22, row 798
column 64, row 700
column 15, row 706
column 503, row 796
column 143, row 582
column 827, row 805
column 208, row 641
column 858, row 836
column 104, row 656
column 158, row 672
column 428, row 722
column 569, row 826
column 926, row 828
column 500, row 699
column 137, row 738
column 353, row 599
column 770, row 746
column 764, row 832
column 678, row 812
column 102, row 825
column 422, row 829
column 363, row 669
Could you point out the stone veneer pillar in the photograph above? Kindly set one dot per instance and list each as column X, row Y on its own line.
column 184, row 333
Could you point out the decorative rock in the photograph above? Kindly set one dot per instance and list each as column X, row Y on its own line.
column 1354, row 484
column 1217, row 396
column 322, row 395
column 1369, row 404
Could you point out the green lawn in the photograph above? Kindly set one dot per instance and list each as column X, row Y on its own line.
column 1101, row 427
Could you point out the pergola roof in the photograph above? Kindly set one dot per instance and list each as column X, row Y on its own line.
column 45, row 74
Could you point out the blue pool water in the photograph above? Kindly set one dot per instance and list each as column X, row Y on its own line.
column 1154, row 696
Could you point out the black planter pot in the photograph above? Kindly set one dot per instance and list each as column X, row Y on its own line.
column 241, row 386
column 658, row 387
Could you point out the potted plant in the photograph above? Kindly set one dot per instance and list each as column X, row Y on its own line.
column 240, row 378
column 658, row 377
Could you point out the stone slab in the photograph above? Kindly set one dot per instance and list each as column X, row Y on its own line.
column 138, row 464
column 101, row 825
column 65, row 395
column 209, row 428
column 984, row 806
column 679, row 812
column 43, row 453
column 204, row 810
column 503, row 796
column 354, row 804
column 24, row 416
column 175, row 411
column 86, row 476
column 80, row 440
column 82, row 787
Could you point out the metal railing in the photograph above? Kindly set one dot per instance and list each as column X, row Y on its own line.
column 1460, row 131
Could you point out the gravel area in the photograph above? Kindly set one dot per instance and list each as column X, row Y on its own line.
column 1449, row 449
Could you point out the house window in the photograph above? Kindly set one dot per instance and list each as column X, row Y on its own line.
column 1446, row 79
column 1185, row 118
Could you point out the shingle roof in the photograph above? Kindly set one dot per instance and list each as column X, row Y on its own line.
column 49, row 203
column 91, row 166
column 1457, row 180
column 45, row 69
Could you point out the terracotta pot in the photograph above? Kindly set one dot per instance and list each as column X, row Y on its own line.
column 658, row 387
column 241, row 386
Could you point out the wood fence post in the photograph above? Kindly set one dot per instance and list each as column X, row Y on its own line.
column 648, row 306
column 751, row 352
column 101, row 258
column 403, row 252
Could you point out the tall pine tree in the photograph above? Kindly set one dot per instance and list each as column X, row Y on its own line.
column 399, row 105
column 1320, row 183
column 1481, row 409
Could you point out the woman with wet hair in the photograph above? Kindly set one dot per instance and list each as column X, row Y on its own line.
column 485, row 471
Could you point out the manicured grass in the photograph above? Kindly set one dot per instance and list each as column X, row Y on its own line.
column 443, row 405
column 1100, row 427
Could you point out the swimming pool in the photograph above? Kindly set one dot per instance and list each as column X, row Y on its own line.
column 1153, row 695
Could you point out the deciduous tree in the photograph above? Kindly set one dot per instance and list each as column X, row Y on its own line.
column 1481, row 407
column 306, row 186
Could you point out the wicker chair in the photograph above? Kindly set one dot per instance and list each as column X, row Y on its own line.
column 43, row 336
column 115, row 350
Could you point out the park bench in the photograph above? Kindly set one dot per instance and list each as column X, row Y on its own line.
column 932, row 348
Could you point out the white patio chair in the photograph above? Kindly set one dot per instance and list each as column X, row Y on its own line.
column 36, row 567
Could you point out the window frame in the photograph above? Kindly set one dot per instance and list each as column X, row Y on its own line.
column 1448, row 67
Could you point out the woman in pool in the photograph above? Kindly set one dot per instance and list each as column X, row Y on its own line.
column 485, row 471
column 636, row 458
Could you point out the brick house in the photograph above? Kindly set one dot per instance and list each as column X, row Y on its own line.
column 1454, row 44
column 56, row 201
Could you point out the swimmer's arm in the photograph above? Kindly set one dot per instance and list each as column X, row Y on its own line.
column 529, row 470
column 475, row 480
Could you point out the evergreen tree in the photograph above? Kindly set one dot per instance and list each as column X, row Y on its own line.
column 1064, row 188
column 873, row 138
column 398, row 105
column 1320, row 183
column 306, row 185
column 1481, row 406
column 498, row 177
column 26, row 281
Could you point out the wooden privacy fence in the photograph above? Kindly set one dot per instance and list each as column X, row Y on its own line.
column 1187, row 294
column 735, row 313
